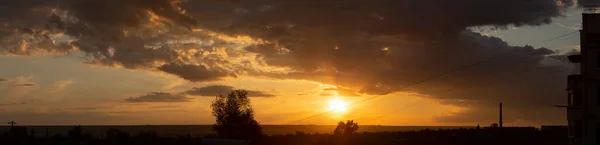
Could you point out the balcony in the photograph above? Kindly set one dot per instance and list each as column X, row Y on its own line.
column 574, row 81
column 575, row 58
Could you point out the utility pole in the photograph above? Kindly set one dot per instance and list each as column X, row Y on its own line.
column 500, row 118
column 12, row 123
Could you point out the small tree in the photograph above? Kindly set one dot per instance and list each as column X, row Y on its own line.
column 235, row 117
column 494, row 125
column 346, row 129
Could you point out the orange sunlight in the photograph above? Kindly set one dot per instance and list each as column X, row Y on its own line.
column 337, row 105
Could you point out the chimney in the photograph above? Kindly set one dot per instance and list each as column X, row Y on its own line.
column 500, row 121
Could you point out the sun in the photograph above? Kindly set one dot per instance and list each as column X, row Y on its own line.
column 337, row 105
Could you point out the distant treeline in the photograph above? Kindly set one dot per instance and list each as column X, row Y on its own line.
column 77, row 135
column 203, row 130
column 473, row 136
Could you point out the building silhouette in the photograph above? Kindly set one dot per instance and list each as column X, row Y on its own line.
column 583, row 110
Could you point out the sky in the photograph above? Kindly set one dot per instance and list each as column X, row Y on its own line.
column 137, row 62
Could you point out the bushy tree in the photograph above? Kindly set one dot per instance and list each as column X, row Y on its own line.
column 235, row 117
column 346, row 129
column 494, row 125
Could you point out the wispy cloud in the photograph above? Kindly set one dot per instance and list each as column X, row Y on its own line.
column 13, row 104
column 61, row 85
column 9, row 104
column 211, row 91
column 159, row 97
column 346, row 92
column 88, row 108
column 168, row 106
column 24, row 85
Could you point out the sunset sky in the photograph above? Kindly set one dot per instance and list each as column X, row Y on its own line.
column 137, row 62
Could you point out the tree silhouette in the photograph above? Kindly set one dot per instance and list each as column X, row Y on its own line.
column 346, row 129
column 235, row 117
column 76, row 133
column 494, row 125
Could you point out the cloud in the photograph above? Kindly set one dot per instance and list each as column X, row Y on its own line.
column 159, row 97
column 10, row 104
column 61, row 85
column 211, row 91
column 194, row 73
column 88, row 108
column 13, row 104
column 160, row 107
column 381, row 47
column 18, row 87
column 3, row 80
column 346, row 92
column 370, row 47
column 24, row 85
column 326, row 94
column 116, row 37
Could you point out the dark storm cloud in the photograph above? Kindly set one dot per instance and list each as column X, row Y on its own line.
column 159, row 97
column 369, row 46
column 24, row 85
column 211, row 91
column 587, row 2
column 195, row 73
column 125, row 33
column 380, row 47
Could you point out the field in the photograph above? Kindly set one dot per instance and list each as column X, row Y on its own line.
column 201, row 130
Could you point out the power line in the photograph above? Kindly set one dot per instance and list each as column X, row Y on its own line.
column 412, row 84
column 434, row 77
column 406, row 107
column 449, row 90
column 558, row 37
column 565, row 38
column 452, row 89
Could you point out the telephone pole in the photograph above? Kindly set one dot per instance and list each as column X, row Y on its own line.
column 500, row 118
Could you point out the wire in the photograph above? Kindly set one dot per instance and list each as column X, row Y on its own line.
column 558, row 37
column 410, row 85
column 449, row 90
column 434, row 77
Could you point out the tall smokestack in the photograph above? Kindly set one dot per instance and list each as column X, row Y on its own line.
column 500, row 121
